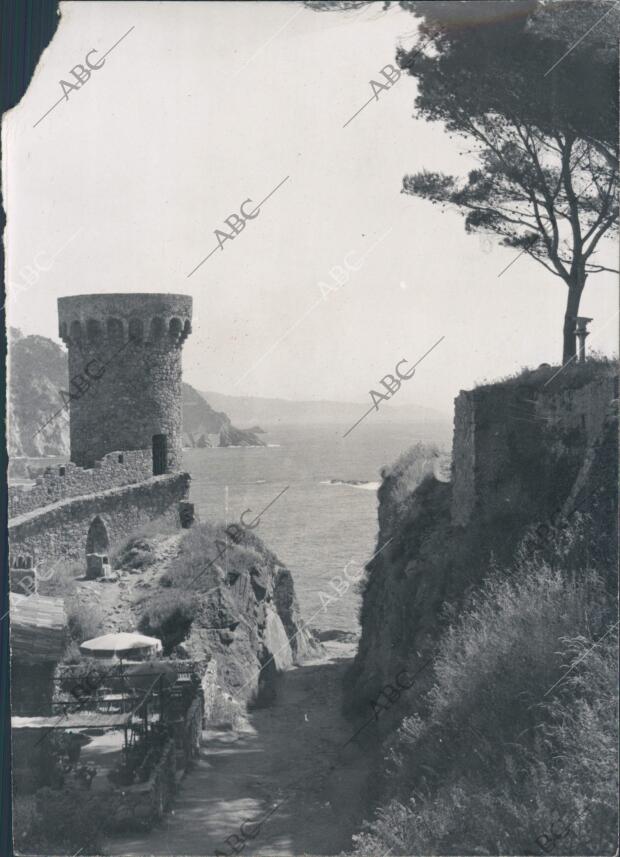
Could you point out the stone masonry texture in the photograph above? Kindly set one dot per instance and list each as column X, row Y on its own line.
column 59, row 531
column 124, row 371
column 69, row 480
column 501, row 433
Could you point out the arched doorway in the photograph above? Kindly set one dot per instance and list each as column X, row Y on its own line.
column 97, row 549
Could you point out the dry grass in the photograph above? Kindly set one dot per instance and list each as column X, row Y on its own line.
column 499, row 757
column 60, row 578
column 571, row 376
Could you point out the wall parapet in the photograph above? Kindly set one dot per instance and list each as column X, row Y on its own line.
column 512, row 441
column 60, row 531
column 69, row 480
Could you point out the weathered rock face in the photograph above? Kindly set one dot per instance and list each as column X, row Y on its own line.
column 249, row 628
column 203, row 426
column 37, row 371
column 231, row 436
column 285, row 602
column 512, row 467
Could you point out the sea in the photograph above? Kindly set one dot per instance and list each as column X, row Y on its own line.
column 326, row 519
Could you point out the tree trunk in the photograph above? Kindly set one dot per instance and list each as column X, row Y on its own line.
column 575, row 288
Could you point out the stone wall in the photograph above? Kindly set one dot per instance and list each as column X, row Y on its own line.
column 463, row 458
column 69, row 480
column 191, row 734
column 518, row 445
column 60, row 531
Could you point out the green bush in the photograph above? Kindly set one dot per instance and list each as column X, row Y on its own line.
column 408, row 471
column 137, row 552
column 72, row 655
column 518, row 732
column 61, row 822
column 207, row 551
column 85, row 619
column 168, row 615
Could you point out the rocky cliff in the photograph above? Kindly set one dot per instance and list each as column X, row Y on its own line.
column 250, row 630
column 203, row 426
column 232, row 605
column 38, row 372
column 227, row 606
column 525, row 451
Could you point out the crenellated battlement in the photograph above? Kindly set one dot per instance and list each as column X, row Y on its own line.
column 125, row 378
column 150, row 319
column 125, row 393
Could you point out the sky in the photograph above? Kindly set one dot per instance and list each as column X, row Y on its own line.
column 202, row 106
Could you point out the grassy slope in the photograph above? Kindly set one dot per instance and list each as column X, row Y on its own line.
column 505, row 754
column 483, row 758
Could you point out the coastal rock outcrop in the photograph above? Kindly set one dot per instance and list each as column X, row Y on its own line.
column 247, row 626
column 203, row 426
column 37, row 373
column 523, row 450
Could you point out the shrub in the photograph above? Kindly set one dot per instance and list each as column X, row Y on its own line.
column 206, row 554
column 498, row 757
column 85, row 619
column 61, row 822
column 137, row 552
column 409, row 470
column 191, row 567
column 163, row 526
column 207, row 549
column 72, row 654
column 168, row 615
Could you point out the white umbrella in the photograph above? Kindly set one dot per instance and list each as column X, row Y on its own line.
column 120, row 645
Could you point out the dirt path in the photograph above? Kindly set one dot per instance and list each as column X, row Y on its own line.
column 291, row 758
column 117, row 598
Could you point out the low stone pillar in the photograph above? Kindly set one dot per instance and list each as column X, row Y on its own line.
column 97, row 565
column 187, row 514
column 582, row 332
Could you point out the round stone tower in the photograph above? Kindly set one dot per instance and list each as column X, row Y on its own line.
column 125, row 374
